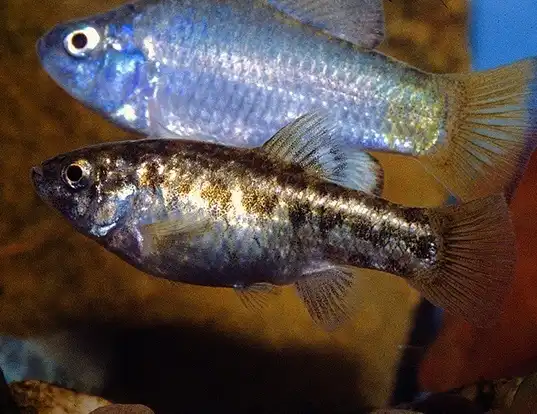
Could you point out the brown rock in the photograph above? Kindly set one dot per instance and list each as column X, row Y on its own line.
column 123, row 409
column 42, row 398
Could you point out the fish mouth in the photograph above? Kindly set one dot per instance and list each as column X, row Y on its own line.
column 41, row 48
column 44, row 45
column 49, row 41
column 37, row 177
column 37, row 171
column 40, row 184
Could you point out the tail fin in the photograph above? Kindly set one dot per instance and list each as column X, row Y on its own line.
column 477, row 259
column 492, row 130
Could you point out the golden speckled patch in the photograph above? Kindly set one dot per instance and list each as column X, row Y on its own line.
column 217, row 195
column 258, row 202
column 183, row 187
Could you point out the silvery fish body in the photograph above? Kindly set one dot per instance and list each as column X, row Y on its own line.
column 283, row 214
column 236, row 71
column 240, row 70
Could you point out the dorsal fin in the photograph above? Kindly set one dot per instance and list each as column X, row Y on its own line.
column 309, row 142
column 357, row 21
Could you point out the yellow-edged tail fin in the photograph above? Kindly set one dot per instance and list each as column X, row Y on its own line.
column 491, row 130
column 476, row 260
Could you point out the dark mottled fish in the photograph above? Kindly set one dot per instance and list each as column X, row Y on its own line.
column 236, row 71
column 299, row 210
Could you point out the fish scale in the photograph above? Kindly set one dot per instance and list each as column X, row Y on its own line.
column 206, row 52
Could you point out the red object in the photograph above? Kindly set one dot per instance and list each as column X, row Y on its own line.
column 463, row 354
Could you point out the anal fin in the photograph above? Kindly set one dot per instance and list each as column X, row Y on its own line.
column 326, row 293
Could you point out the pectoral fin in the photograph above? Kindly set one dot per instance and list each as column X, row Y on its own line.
column 176, row 228
column 256, row 296
column 157, row 128
column 156, row 124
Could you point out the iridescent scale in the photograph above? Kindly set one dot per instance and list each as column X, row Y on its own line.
column 236, row 72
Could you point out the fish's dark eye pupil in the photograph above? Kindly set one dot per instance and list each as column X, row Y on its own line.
column 79, row 40
column 74, row 173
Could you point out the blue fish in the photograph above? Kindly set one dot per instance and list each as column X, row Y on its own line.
column 237, row 71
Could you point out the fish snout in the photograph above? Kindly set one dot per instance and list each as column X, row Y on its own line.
column 49, row 41
column 37, row 176
column 41, row 47
column 37, row 171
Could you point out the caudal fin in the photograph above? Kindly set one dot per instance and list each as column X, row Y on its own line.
column 476, row 260
column 491, row 129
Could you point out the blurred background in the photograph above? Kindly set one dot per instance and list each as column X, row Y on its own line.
column 74, row 313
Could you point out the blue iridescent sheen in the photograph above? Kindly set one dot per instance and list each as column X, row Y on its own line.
column 238, row 71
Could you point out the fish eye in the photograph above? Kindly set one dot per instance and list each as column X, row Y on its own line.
column 75, row 175
column 81, row 41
